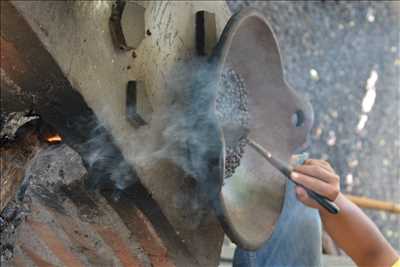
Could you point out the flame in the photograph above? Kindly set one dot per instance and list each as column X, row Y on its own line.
column 54, row 139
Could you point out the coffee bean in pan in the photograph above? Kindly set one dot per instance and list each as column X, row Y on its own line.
column 232, row 109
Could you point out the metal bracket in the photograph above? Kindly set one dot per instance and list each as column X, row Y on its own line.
column 206, row 33
column 138, row 108
column 127, row 24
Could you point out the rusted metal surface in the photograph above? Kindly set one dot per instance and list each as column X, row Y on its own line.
column 251, row 200
column 67, row 240
column 119, row 247
column 138, row 210
column 56, row 246
column 67, row 225
column 83, row 229
column 13, row 97
column 147, row 237
column 67, row 48
column 33, row 258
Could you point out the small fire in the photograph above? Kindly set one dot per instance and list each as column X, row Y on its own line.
column 54, row 139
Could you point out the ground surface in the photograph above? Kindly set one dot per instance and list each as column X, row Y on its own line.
column 330, row 49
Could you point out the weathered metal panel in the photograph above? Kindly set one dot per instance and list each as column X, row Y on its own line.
column 68, row 46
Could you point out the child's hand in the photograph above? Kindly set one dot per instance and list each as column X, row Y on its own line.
column 351, row 229
column 318, row 176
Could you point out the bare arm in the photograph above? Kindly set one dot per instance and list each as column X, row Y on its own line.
column 352, row 230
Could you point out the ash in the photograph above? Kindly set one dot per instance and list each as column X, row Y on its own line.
column 10, row 218
column 11, row 122
column 232, row 113
column 50, row 169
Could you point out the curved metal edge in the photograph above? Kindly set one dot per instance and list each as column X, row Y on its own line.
column 220, row 51
column 218, row 58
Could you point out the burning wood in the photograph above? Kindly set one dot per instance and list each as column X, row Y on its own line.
column 54, row 139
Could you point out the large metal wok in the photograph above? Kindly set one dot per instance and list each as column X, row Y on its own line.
column 251, row 201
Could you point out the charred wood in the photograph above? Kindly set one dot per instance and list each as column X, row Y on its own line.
column 14, row 158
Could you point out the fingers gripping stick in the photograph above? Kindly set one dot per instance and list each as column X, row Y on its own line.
column 287, row 171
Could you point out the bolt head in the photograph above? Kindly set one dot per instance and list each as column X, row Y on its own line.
column 133, row 24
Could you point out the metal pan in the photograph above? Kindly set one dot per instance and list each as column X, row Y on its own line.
column 250, row 201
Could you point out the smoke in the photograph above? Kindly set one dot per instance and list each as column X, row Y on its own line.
column 104, row 161
column 184, row 130
column 193, row 129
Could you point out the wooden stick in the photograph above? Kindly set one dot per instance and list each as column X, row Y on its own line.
column 368, row 203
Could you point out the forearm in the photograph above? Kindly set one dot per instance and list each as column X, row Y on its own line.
column 356, row 234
